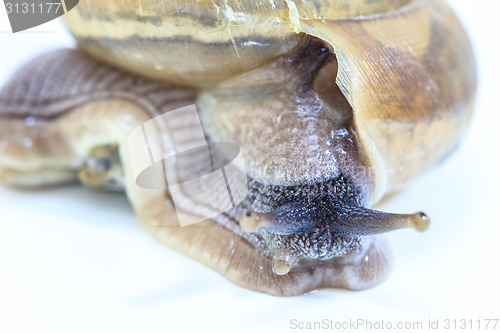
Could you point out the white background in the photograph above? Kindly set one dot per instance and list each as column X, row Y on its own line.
column 72, row 260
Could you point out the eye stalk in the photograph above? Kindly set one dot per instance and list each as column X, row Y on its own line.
column 315, row 232
column 343, row 219
column 364, row 221
column 250, row 221
column 421, row 221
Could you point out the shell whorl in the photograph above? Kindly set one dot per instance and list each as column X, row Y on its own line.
column 184, row 41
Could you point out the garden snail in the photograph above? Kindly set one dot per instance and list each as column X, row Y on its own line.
column 333, row 103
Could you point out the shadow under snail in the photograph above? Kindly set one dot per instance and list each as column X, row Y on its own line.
column 334, row 104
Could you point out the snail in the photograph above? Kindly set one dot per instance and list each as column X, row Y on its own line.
column 334, row 104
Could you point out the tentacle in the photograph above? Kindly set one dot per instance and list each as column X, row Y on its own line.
column 347, row 220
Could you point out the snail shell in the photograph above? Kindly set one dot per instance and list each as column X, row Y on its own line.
column 405, row 66
column 333, row 103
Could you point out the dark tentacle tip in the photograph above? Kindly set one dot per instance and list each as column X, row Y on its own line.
column 421, row 221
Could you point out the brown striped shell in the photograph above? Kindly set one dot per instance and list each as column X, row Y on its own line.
column 333, row 103
column 405, row 66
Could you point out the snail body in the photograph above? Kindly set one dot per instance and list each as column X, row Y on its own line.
column 333, row 105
